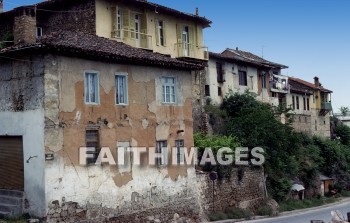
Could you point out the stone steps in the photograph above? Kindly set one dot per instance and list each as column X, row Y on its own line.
column 11, row 203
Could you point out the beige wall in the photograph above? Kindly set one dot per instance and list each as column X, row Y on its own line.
column 143, row 121
column 104, row 28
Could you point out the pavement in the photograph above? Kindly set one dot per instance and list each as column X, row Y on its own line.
column 343, row 203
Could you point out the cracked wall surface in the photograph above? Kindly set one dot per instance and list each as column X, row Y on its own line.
column 112, row 191
column 22, row 114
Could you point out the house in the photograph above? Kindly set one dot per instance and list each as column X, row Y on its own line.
column 345, row 119
column 239, row 71
column 325, row 184
column 236, row 70
column 97, row 74
column 311, row 104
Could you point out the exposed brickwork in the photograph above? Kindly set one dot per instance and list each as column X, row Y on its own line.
column 247, row 193
column 75, row 16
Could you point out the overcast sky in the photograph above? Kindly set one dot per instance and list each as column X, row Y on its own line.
column 311, row 37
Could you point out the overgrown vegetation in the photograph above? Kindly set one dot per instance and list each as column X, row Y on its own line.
column 231, row 213
column 6, row 41
column 289, row 154
column 291, row 205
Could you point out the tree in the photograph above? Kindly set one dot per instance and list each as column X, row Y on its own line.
column 344, row 110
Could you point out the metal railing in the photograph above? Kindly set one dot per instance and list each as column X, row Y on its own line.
column 191, row 50
column 138, row 39
column 326, row 106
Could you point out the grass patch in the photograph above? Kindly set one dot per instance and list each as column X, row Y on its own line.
column 22, row 219
column 264, row 210
column 345, row 193
column 307, row 203
column 231, row 213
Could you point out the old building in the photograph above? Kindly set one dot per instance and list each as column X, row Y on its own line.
column 311, row 104
column 97, row 74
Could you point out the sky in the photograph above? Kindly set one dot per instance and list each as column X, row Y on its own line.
column 311, row 37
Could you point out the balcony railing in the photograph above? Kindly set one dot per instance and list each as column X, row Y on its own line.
column 136, row 39
column 191, row 51
column 327, row 106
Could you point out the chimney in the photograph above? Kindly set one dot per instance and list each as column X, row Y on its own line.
column 236, row 48
column 316, row 81
column 1, row 6
column 24, row 28
column 197, row 11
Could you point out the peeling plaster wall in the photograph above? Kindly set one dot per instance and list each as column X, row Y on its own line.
column 22, row 114
column 114, row 190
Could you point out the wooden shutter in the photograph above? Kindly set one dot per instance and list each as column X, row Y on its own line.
column 179, row 33
column 191, row 35
column 156, row 22
column 114, row 18
column 143, row 24
column 164, row 33
column 11, row 163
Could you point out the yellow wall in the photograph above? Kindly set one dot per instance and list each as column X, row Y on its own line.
column 104, row 28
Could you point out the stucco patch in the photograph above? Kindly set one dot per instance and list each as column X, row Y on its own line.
column 122, row 179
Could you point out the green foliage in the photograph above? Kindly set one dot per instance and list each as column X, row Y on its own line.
column 231, row 213
column 291, row 205
column 264, row 210
column 6, row 40
column 202, row 141
column 343, row 132
column 344, row 110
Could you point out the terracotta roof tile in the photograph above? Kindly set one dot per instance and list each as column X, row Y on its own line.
column 94, row 47
column 300, row 84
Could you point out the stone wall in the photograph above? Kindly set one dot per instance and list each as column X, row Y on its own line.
column 76, row 16
column 24, row 30
column 245, row 193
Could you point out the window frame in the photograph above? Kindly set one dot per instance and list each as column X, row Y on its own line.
column 207, row 90
column 220, row 91
column 263, row 81
column 178, row 150
column 89, row 161
column 158, row 149
column 220, row 72
column 119, row 19
column 97, row 85
column 169, row 85
column 125, row 75
column 245, row 79
column 293, row 102
column 38, row 31
column 297, row 102
column 160, row 29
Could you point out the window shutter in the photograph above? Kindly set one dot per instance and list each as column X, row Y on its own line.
column 126, row 18
column 199, row 34
column 191, row 35
column 143, row 23
column 164, row 32
column 164, row 155
column 156, row 21
column 114, row 18
column 179, row 33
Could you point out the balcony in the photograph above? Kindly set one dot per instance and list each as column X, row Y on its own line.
column 135, row 39
column 188, row 50
column 325, row 108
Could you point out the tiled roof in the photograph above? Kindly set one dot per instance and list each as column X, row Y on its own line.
column 138, row 3
column 94, row 47
column 245, row 57
column 299, row 84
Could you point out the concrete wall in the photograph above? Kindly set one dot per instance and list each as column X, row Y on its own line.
column 22, row 114
column 104, row 27
column 111, row 191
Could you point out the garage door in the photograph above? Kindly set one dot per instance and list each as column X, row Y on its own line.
column 11, row 163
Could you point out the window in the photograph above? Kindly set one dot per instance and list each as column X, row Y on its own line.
column 304, row 100
column 168, row 91
column 160, row 33
column 242, row 78
column 297, row 101
column 305, row 119
column 274, row 94
column 293, row 102
column 219, row 72
column 92, row 140
column 121, row 89
column 119, row 19
column 91, row 88
column 207, row 90
column 179, row 144
column 263, row 80
column 39, row 31
column 161, row 148
column 308, row 104
column 219, row 91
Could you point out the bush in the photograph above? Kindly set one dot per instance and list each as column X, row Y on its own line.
column 264, row 210
column 217, row 216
